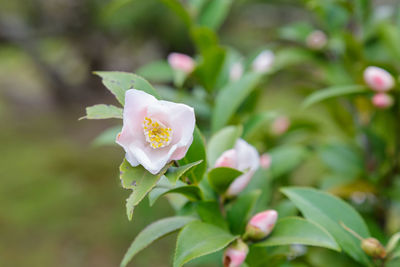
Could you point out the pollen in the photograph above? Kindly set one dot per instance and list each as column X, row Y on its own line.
column 156, row 133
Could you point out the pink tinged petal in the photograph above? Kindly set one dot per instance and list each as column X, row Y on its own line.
column 263, row 62
column 265, row 161
column 181, row 62
column 378, row 79
column 280, row 125
column 239, row 184
column 382, row 100
column 227, row 159
column 265, row 221
column 235, row 254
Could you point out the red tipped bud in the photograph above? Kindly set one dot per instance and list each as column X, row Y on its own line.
column 235, row 254
column 378, row 79
column 261, row 225
column 382, row 100
column 372, row 247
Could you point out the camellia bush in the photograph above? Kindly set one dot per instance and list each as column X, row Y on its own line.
column 194, row 137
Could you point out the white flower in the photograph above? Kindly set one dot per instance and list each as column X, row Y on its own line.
column 263, row 62
column 155, row 132
column 242, row 157
column 378, row 79
column 236, row 71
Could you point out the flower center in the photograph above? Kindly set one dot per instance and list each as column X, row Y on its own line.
column 156, row 133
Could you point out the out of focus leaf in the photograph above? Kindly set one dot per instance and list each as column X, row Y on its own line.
column 332, row 92
column 329, row 211
column 256, row 123
column 295, row 230
column 229, row 99
column 153, row 232
column 102, row 111
column 391, row 38
column 284, row 159
column 157, row 71
column 210, row 66
column 107, row 137
column 214, row 12
column 204, row 38
column 220, row 178
column 198, row 239
column 221, row 141
column 179, row 10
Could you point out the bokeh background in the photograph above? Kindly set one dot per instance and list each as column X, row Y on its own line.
column 61, row 203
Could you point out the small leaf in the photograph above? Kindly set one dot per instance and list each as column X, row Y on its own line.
column 179, row 10
column 164, row 187
column 393, row 241
column 328, row 211
column 238, row 213
column 257, row 123
column 221, row 141
column 210, row 66
column 153, row 232
column 101, row 111
column 120, row 82
column 198, row 239
column 333, row 92
column 295, row 230
column 156, row 71
column 214, row 13
column 174, row 173
column 140, row 181
column 209, row 212
column 107, row 137
column 230, row 97
column 195, row 153
column 285, row 158
column 220, row 178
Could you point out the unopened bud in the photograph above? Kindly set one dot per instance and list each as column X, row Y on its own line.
column 236, row 71
column 382, row 100
column 261, row 225
column 378, row 79
column 235, row 254
column 263, row 62
column 280, row 125
column 181, row 62
column 372, row 247
column 316, row 40
column 265, row 161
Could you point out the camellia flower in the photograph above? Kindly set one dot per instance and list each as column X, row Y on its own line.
column 155, row 132
column 261, row 225
column 378, row 79
column 236, row 71
column 265, row 161
column 316, row 40
column 263, row 62
column 280, row 125
column 181, row 62
column 235, row 254
column 242, row 157
column 382, row 100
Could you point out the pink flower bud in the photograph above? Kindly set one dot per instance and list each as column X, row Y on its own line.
column 280, row 125
column 236, row 71
column 263, row 62
column 378, row 79
column 235, row 254
column 265, row 161
column 316, row 40
column 181, row 62
column 261, row 225
column 227, row 159
column 382, row 100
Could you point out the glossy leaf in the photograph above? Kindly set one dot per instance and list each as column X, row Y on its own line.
column 157, row 71
column 230, row 97
column 220, row 178
column 198, row 239
column 102, row 111
column 214, row 13
column 285, row 158
column 140, row 181
column 332, row 92
column 209, row 212
column 107, row 137
column 295, row 230
column 257, row 123
column 153, row 232
column 174, row 173
column 221, row 141
column 120, row 82
column 329, row 211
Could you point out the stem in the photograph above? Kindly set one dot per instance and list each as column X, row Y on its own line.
column 221, row 201
column 351, row 231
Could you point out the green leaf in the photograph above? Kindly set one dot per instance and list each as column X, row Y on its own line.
column 157, row 71
column 120, row 82
column 285, row 158
column 140, row 181
column 164, row 187
column 204, row 38
column 209, row 212
column 220, row 178
column 102, row 111
column 198, row 239
column 390, row 35
column 238, row 213
column 256, row 123
column 107, row 137
column 328, row 211
column 179, row 10
column 195, row 153
column 295, row 230
column 210, row 66
column 214, row 13
column 392, row 243
column 174, row 173
column 230, row 97
column 221, row 141
column 153, row 232
column 332, row 92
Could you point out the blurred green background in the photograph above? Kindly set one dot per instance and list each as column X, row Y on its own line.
column 61, row 203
